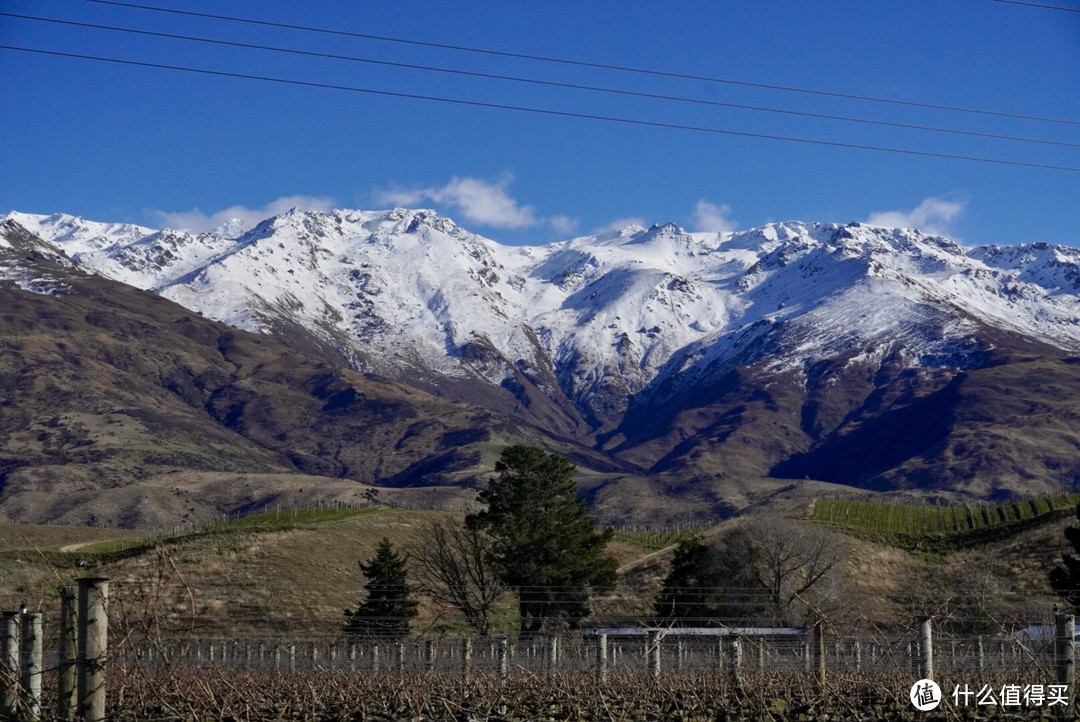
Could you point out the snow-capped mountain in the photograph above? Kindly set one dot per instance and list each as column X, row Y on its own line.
column 611, row 337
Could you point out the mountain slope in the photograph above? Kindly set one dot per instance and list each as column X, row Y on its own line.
column 848, row 353
column 108, row 389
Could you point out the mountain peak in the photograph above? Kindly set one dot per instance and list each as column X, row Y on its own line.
column 412, row 288
column 651, row 343
column 232, row 228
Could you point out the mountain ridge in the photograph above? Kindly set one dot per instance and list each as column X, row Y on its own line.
column 767, row 351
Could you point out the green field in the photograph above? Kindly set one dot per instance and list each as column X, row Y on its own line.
column 938, row 525
column 652, row 541
column 288, row 518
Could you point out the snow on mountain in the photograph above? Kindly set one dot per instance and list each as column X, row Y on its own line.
column 597, row 319
column 19, row 251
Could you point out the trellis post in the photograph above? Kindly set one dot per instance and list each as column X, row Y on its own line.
column 926, row 650
column 67, row 702
column 653, row 651
column 504, row 663
column 9, row 663
column 30, row 656
column 819, row 653
column 466, row 657
column 93, row 647
column 601, row 658
column 1065, row 648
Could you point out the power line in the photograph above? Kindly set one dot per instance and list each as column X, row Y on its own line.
column 545, row 111
column 1040, row 5
column 588, row 64
column 536, row 81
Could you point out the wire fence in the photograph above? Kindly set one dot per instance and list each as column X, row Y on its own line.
column 161, row 663
column 574, row 652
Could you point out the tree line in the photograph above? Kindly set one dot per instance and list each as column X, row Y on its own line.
column 534, row 540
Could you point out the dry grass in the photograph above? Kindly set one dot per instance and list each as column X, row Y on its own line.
column 289, row 576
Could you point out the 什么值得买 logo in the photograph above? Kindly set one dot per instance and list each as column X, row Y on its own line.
column 925, row 695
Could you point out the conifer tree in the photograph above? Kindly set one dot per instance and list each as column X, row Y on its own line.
column 387, row 610
column 1065, row 579
column 689, row 586
column 545, row 545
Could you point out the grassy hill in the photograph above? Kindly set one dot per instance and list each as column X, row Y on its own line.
column 292, row 573
column 294, row 570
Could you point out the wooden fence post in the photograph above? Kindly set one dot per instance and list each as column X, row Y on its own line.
column 735, row 663
column 504, row 663
column 552, row 654
column 653, row 651
column 9, row 664
column 926, row 650
column 93, row 647
column 601, row 658
column 466, row 657
column 429, row 655
column 67, row 701
column 819, row 653
column 30, row 657
column 1065, row 651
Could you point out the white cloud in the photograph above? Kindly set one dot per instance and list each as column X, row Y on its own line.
column 621, row 223
column 711, row 218
column 933, row 215
column 477, row 200
column 563, row 225
column 196, row 221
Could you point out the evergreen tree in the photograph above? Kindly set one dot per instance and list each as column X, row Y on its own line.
column 545, row 546
column 387, row 610
column 1066, row 579
column 689, row 586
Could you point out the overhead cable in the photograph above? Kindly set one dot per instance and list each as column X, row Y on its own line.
column 1043, row 6
column 545, row 111
column 587, row 64
column 535, row 81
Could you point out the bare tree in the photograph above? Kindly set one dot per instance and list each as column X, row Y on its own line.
column 788, row 563
column 451, row 564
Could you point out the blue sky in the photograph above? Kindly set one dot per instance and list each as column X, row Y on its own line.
column 155, row 146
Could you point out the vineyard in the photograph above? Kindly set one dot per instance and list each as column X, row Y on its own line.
column 242, row 620
column 939, row 526
column 862, row 676
column 164, row 695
